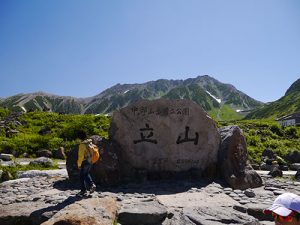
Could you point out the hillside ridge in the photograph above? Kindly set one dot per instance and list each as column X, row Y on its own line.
column 217, row 98
column 287, row 104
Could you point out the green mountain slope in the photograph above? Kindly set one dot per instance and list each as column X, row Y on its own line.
column 211, row 94
column 222, row 101
column 295, row 87
column 43, row 102
column 287, row 104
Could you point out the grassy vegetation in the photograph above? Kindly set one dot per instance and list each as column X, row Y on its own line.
column 285, row 105
column 3, row 112
column 60, row 130
column 68, row 130
column 262, row 134
column 224, row 114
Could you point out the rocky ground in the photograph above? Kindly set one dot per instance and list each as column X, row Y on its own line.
column 49, row 196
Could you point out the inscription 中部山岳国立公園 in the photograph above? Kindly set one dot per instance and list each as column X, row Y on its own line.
column 165, row 111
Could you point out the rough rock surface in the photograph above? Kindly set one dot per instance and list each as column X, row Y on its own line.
column 165, row 135
column 98, row 211
column 105, row 171
column 142, row 211
column 233, row 160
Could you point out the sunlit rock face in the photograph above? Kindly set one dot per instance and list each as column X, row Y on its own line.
column 233, row 164
column 165, row 135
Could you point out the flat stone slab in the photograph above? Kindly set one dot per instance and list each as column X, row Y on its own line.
column 203, row 197
column 43, row 173
column 137, row 211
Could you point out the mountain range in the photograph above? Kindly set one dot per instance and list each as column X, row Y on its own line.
column 221, row 101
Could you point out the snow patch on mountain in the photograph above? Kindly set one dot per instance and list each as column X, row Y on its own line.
column 214, row 97
column 23, row 108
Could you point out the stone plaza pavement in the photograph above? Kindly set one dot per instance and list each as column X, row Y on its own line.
column 48, row 195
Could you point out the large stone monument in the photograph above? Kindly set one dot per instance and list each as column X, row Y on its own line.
column 168, row 139
column 165, row 135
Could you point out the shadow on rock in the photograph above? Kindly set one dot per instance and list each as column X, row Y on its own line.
column 67, row 184
column 161, row 187
column 42, row 215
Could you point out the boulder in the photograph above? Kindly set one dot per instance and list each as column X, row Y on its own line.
column 233, row 163
column 19, row 213
column 293, row 157
column 284, row 167
column 6, row 157
column 97, row 211
column 154, row 139
column 8, row 163
column 105, row 171
column 44, row 153
column 268, row 152
column 42, row 161
column 275, row 172
column 295, row 166
column 11, row 151
column 59, row 153
column 71, row 164
column 264, row 166
column 164, row 137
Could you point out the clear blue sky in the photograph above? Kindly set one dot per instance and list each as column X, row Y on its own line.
column 80, row 48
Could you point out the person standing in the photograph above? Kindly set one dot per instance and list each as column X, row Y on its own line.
column 84, row 163
column 285, row 209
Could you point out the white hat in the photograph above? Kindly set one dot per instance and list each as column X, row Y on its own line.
column 284, row 204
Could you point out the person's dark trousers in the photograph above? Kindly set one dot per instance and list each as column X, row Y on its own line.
column 85, row 177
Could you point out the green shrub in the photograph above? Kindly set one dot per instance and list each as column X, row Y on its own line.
column 253, row 140
column 267, row 133
column 55, row 143
column 262, row 134
column 3, row 112
column 273, row 144
column 252, row 132
column 254, row 154
column 68, row 130
column 292, row 132
column 276, row 129
column 65, row 130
